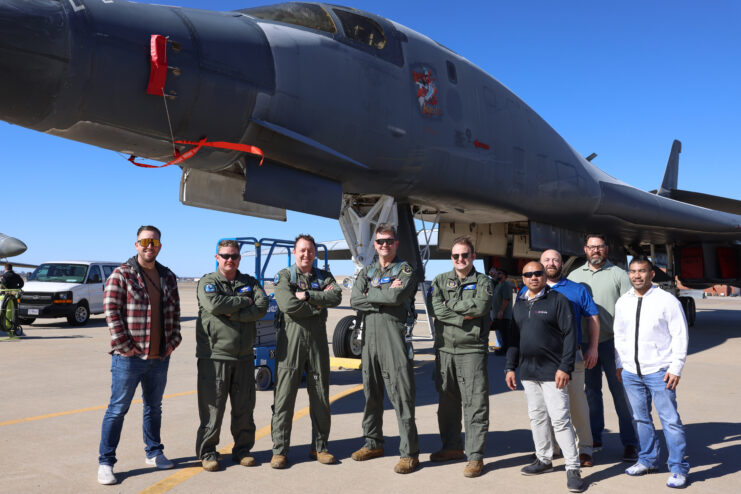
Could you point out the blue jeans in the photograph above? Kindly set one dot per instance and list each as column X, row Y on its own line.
column 641, row 390
column 127, row 373
column 593, row 388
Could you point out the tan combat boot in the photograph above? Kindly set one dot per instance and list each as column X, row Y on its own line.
column 279, row 462
column 324, row 457
column 248, row 461
column 406, row 465
column 366, row 453
column 473, row 469
column 210, row 465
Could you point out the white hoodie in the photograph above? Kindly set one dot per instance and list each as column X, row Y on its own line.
column 662, row 332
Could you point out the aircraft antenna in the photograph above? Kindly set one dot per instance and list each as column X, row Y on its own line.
column 169, row 124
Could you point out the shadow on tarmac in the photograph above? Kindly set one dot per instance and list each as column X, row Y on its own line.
column 713, row 328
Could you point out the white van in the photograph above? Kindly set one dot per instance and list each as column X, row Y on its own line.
column 71, row 289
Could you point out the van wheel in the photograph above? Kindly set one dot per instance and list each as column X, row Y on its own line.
column 80, row 316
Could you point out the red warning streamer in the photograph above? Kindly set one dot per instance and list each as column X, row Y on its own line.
column 157, row 65
column 181, row 157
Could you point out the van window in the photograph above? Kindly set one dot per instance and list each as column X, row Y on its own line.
column 300, row 14
column 93, row 275
column 107, row 270
column 59, row 272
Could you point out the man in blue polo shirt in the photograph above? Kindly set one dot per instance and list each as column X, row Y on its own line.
column 582, row 305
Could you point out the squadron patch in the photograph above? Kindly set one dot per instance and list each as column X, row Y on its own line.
column 302, row 284
column 245, row 289
column 450, row 284
column 407, row 270
column 489, row 291
column 376, row 281
column 209, row 288
column 276, row 279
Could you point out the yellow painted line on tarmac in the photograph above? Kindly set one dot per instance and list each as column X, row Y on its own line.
column 344, row 363
column 81, row 410
column 188, row 473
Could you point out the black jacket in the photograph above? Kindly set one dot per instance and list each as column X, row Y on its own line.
column 544, row 337
column 11, row 279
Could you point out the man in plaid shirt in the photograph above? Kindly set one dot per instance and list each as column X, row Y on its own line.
column 142, row 309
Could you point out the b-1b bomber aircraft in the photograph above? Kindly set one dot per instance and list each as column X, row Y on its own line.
column 352, row 116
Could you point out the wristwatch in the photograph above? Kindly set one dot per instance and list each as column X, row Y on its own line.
column 307, row 295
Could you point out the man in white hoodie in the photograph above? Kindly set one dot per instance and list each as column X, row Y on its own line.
column 650, row 350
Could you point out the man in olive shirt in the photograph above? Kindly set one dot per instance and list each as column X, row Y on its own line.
column 383, row 291
column 229, row 303
column 303, row 293
column 461, row 300
column 607, row 283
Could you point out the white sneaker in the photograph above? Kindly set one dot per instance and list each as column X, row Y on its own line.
column 160, row 461
column 639, row 469
column 105, row 475
column 677, row 481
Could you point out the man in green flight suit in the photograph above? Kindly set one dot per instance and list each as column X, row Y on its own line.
column 303, row 293
column 384, row 291
column 229, row 303
column 461, row 300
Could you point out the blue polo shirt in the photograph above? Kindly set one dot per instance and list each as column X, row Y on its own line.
column 582, row 303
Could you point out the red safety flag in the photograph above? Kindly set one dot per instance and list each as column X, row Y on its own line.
column 157, row 65
column 181, row 157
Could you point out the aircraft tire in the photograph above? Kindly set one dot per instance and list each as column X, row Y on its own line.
column 263, row 378
column 81, row 315
column 345, row 342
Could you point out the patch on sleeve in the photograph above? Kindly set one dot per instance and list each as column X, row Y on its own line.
column 209, row 288
column 431, row 289
column 276, row 279
column 489, row 290
column 407, row 270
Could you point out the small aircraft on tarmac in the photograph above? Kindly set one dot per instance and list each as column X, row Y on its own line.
column 356, row 117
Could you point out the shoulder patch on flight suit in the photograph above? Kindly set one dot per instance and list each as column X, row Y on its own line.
column 489, row 291
column 407, row 269
column 209, row 288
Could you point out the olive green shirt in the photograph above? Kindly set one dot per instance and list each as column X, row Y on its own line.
column 452, row 300
column 375, row 296
column 312, row 312
column 227, row 311
column 606, row 285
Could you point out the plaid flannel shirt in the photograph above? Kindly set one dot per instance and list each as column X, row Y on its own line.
column 128, row 312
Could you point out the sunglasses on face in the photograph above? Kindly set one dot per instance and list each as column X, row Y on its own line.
column 146, row 242
column 530, row 274
column 455, row 257
column 385, row 241
column 233, row 257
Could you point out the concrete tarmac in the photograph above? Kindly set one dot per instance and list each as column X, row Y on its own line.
column 56, row 385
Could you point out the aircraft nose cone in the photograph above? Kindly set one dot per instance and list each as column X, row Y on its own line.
column 34, row 55
column 10, row 246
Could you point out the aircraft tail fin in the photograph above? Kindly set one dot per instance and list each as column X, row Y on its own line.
column 671, row 175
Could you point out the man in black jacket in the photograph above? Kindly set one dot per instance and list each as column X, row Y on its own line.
column 544, row 346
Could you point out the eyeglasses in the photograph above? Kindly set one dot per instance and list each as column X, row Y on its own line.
column 530, row 274
column 385, row 241
column 146, row 242
column 596, row 247
column 463, row 255
column 233, row 257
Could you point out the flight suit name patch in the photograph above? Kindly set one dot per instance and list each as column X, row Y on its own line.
column 472, row 286
column 386, row 279
column 315, row 285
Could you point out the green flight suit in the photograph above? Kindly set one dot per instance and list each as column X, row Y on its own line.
column 461, row 356
column 225, row 336
column 387, row 359
column 302, row 346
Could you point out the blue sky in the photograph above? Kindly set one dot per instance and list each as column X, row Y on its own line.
column 622, row 79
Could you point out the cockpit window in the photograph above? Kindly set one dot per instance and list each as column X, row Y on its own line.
column 362, row 29
column 300, row 14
